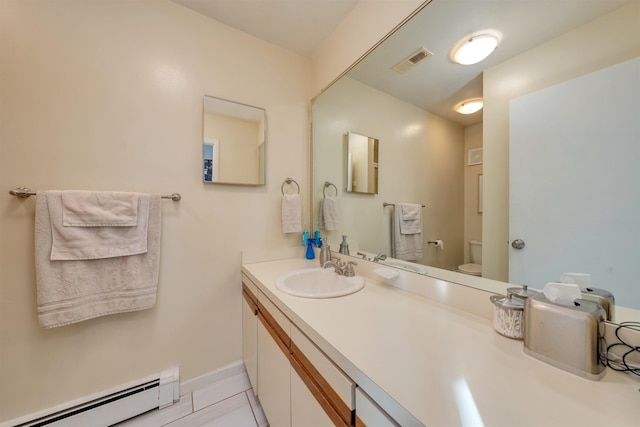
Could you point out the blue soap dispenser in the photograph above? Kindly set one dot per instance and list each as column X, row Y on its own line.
column 310, row 254
column 308, row 242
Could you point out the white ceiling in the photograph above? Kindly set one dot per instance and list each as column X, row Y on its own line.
column 435, row 84
column 297, row 25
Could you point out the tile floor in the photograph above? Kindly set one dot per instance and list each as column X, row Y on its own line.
column 227, row 402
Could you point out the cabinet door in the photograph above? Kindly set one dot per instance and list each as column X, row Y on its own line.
column 274, row 367
column 250, row 343
column 305, row 410
column 331, row 387
column 368, row 413
column 274, row 379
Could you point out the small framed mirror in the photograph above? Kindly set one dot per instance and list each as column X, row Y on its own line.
column 361, row 164
column 233, row 143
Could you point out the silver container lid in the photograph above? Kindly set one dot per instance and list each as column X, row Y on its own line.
column 507, row 302
column 524, row 292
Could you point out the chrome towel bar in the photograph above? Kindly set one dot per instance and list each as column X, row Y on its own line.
column 24, row 192
column 385, row 204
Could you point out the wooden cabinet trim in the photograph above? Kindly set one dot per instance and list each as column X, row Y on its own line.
column 325, row 402
column 250, row 297
column 334, row 399
column 273, row 328
column 269, row 320
column 251, row 303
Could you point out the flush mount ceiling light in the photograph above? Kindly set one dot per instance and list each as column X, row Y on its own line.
column 469, row 106
column 473, row 49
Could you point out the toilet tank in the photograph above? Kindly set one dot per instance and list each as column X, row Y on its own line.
column 475, row 251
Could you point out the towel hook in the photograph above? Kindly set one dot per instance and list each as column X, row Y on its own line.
column 289, row 181
column 328, row 184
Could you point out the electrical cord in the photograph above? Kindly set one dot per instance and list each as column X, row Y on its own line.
column 617, row 363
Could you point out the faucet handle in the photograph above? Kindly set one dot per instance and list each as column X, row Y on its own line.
column 349, row 271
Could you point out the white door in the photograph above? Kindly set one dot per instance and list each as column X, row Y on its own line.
column 574, row 196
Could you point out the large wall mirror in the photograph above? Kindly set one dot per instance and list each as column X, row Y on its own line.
column 426, row 147
column 233, row 144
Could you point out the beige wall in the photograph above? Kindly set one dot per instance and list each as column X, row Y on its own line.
column 368, row 23
column 472, row 218
column 606, row 41
column 420, row 161
column 107, row 95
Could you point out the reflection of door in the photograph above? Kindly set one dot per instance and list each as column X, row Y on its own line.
column 574, row 181
column 211, row 156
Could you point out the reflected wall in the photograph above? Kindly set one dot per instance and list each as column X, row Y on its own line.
column 420, row 161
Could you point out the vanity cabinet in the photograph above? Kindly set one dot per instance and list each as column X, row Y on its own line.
column 296, row 383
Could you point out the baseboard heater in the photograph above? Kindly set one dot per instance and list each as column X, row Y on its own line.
column 111, row 407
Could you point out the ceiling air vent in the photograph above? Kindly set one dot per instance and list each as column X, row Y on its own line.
column 412, row 60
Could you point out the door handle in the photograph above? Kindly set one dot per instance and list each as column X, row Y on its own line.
column 517, row 244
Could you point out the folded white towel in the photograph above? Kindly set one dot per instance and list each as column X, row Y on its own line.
column 410, row 218
column 73, row 291
column 99, row 208
column 328, row 218
column 94, row 242
column 291, row 213
column 406, row 247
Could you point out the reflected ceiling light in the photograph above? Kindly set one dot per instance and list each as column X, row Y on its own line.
column 473, row 49
column 469, row 106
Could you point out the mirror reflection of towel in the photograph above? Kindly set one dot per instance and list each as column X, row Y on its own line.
column 407, row 246
column 328, row 218
column 410, row 218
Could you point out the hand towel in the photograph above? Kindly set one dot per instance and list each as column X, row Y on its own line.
column 410, row 218
column 328, row 218
column 99, row 208
column 406, row 247
column 291, row 213
column 93, row 242
column 73, row 291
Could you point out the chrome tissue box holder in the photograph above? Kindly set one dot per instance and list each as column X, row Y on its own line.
column 567, row 337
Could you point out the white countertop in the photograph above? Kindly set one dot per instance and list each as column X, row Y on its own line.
column 445, row 366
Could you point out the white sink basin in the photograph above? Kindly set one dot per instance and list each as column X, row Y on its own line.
column 318, row 283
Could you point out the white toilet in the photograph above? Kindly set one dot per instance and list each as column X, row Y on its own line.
column 473, row 268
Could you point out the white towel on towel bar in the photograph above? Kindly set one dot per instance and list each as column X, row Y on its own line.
column 406, row 247
column 73, row 291
column 291, row 213
column 95, row 232
column 99, row 209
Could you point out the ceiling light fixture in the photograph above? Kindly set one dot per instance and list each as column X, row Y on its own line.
column 469, row 106
column 473, row 49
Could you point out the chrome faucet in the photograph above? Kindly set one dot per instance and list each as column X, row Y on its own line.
column 380, row 257
column 341, row 268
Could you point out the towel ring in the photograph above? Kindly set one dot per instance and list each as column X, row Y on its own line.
column 289, row 181
column 328, row 184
